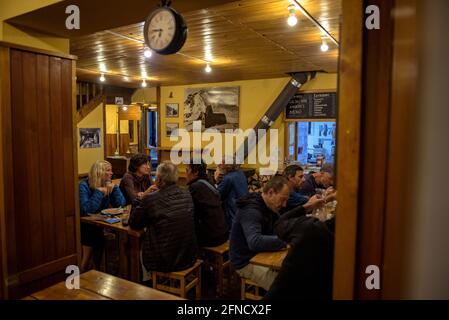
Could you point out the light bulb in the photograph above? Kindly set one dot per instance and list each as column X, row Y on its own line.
column 144, row 84
column 324, row 46
column 125, row 108
column 208, row 69
column 292, row 20
column 102, row 78
column 147, row 53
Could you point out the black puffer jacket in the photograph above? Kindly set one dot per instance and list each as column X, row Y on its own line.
column 169, row 242
column 211, row 227
column 306, row 272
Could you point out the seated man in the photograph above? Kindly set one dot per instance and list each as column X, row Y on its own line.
column 253, row 230
column 169, row 242
column 306, row 272
column 317, row 180
column 232, row 185
column 295, row 177
column 210, row 225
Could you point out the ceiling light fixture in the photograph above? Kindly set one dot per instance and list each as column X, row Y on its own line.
column 144, row 84
column 147, row 53
column 324, row 46
column 208, row 69
column 102, row 78
column 292, row 20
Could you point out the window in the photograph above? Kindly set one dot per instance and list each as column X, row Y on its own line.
column 309, row 141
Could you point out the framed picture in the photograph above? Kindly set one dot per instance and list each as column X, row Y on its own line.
column 170, row 128
column 172, row 110
column 215, row 107
column 89, row 138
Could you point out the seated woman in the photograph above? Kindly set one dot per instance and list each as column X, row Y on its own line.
column 97, row 192
column 135, row 183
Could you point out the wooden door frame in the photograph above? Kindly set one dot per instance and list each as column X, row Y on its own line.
column 377, row 104
column 348, row 148
column 5, row 101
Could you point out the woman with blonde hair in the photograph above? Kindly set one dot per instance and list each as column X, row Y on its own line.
column 97, row 192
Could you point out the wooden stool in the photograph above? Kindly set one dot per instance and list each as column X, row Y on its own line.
column 218, row 259
column 179, row 282
column 250, row 290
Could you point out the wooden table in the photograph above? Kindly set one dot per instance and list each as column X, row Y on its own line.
column 129, row 246
column 95, row 285
column 271, row 260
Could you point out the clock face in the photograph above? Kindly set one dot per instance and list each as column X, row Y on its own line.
column 161, row 29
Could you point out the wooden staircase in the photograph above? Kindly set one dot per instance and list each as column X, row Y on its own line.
column 88, row 97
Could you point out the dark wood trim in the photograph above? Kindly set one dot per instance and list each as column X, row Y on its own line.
column 105, row 151
column 5, row 103
column 375, row 124
column 75, row 167
column 36, row 50
column 159, row 125
column 348, row 144
column 42, row 271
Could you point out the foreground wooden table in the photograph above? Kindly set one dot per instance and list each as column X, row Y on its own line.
column 95, row 285
column 129, row 242
column 271, row 260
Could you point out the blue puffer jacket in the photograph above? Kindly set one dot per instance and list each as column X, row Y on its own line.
column 253, row 231
column 93, row 200
column 233, row 186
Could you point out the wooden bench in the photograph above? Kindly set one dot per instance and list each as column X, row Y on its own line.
column 179, row 282
column 218, row 259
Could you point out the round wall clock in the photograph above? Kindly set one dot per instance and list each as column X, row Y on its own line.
column 165, row 31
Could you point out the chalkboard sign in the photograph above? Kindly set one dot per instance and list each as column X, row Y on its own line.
column 312, row 106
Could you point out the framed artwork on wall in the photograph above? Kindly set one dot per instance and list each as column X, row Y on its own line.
column 170, row 128
column 216, row 108
column 172, row 110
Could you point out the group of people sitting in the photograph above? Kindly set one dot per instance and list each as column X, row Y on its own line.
column 177, row 221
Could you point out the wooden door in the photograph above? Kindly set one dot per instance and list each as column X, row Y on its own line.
column 39, row 152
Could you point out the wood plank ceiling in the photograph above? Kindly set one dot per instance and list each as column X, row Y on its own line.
column 247, row 39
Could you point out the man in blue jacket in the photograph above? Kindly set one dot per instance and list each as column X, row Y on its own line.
column 253, row 230
column 295, row 176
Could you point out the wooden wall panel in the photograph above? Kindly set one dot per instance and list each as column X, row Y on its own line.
column 375, row 125
column 45, row 161
column 4, row 188
column 348, row 153
column 41, row 218
column 111, row 144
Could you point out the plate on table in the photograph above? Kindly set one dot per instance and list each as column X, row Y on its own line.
column 112, row 211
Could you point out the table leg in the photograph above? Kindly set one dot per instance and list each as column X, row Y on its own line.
column 134, row 259
column 123, row 256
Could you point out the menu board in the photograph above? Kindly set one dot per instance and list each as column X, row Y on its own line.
column 321, row 105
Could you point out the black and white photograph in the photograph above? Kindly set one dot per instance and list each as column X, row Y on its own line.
column 216, row 108
column 170, row 127
column 89, row 138
column 172, row 110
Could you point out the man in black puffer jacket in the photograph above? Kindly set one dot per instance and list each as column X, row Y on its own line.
column 306, row 272
column 169, row 242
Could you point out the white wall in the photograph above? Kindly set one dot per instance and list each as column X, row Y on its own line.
column 429, row 256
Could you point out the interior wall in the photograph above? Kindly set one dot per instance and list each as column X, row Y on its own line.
column 9, row 33
column 256, row 96
column 428, row 263
column 86, row 157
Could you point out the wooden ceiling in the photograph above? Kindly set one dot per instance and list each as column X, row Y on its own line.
column 247, row 39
